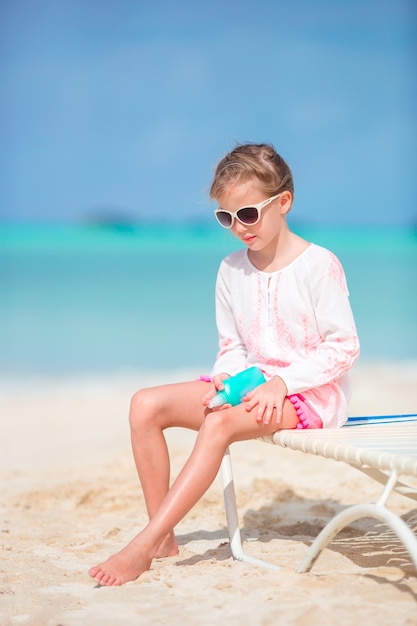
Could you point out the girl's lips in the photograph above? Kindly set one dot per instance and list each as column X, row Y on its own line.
column 249, row 238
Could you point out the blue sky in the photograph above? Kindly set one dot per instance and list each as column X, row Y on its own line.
column 127, row 106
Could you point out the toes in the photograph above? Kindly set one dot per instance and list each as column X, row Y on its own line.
column 104, row 579
column 99, row 577
column 93, row 571
column 108, row 580
column 98, row 574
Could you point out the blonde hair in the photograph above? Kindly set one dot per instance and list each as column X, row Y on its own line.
column 253, row 161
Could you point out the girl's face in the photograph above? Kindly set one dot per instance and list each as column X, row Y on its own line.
column 272, row 218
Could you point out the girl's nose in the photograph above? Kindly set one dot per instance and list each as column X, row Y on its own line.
column 238, row 228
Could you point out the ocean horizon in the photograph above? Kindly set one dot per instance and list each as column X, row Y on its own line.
column 85, row 298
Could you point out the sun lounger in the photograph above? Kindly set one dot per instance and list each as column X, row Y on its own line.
column 383, row 447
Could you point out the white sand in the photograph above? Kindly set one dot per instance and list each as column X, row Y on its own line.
column 70, row 497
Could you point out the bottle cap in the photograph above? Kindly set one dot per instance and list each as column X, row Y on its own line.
column 217, row 400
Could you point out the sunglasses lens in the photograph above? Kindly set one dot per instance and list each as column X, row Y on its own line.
column 248, row 215
column 225, row 219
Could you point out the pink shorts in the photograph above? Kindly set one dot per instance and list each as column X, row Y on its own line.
column 307, row 416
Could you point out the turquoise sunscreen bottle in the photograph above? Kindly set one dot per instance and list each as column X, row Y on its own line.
column 236, row 387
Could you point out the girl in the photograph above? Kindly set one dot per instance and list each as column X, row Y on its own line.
column 281, row 305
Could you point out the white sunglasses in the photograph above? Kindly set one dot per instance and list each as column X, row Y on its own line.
column 247, row 215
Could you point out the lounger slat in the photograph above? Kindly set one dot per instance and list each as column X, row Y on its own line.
column 392, row 447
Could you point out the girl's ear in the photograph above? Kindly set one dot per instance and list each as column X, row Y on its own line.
column 285, row 202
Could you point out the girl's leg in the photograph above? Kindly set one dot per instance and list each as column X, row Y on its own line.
column 218, row 431
column 151, row 412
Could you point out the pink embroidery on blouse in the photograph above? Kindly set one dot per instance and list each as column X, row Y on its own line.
column 336, row 272
column 276, row 363
column 310, row 339
column 286, row 338
column 253, row 338
column 338, row 366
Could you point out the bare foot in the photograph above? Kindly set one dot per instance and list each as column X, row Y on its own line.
column 168, row 547
column 124, row 566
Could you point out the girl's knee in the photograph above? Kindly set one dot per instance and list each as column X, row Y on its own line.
column 143, row 407
column 219, row 424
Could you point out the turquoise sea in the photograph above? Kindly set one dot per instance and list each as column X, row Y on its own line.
column 95, row 299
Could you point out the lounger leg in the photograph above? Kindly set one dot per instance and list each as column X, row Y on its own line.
column 232, row 516
column 351, row 514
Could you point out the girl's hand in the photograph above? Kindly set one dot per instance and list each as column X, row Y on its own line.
column 216, row 385
column 269, row 397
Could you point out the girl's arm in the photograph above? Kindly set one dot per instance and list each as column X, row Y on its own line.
column 231, row 357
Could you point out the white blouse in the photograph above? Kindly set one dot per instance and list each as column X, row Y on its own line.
column 296, row 323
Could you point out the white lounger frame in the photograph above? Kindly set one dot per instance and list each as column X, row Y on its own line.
column 383, row 447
